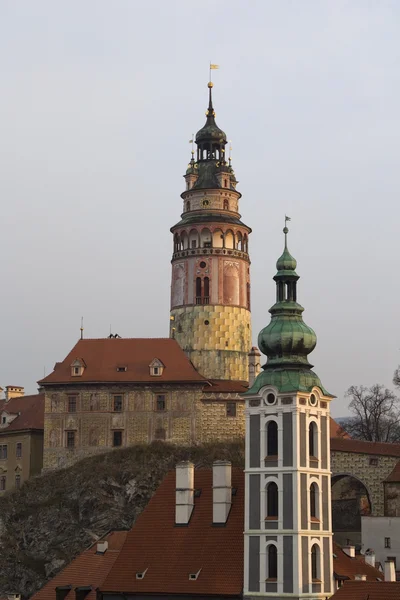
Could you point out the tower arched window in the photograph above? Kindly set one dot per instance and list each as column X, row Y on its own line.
column 272, row 500
column 198, row 290
column 188, row 205
column 272, row 438
column 226, row 204
column 206, row 295
column 315, row 563
column 225, row 183
column 313, row 440
column 313, row 501
column 272, row 562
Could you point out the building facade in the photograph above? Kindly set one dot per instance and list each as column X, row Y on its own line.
column 21, row 437
column 288, row 531
column 210, row 289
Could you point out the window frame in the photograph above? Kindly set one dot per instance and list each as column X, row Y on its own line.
column 116, row 399
column 115, row 433
column 3, row 483
column 70, row 435
column 18, row 450
column 272, row 555
column 315, row 563
column 229, row 405
column 388, row 542
column 272, row 502
column 161, row 398
column 17, row 482
column 271, row 423
column 3, row 451
column 72, row 401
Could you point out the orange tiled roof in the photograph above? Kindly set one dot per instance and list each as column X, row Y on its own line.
column 103, row 356
column 368, row 590
column 345, row 566
column 88, row 569
column 361, row 447
column 30, row 409
column 337, row 430
column 171, row 553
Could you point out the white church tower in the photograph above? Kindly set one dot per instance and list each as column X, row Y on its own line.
column 288, row 529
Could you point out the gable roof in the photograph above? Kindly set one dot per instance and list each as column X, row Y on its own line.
column 361, row 447
column 88, row 569
column 337, row 430
column 171, row 553
column 394, row 476
column 30, row 410
column 346, row 567
column 103, row 356
column 368, row 590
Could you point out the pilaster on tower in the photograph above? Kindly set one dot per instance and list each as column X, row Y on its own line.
column 210, row 288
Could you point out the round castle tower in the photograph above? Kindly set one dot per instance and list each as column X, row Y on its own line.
column 210, row 288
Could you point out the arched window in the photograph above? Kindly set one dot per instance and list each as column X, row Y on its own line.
column 188, row 205
column 315, row 569
column 272, row 562
column 272, row 500
column 272, row 438
column 206, row 297
column 225, row 183
column 226, row 204
column 198, row 290
column 312, row 439
column 313, row 500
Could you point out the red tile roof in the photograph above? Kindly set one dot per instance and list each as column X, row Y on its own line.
column 171, row 553
column 30, row 410
column 88, row 569
column 395, row 474
column 375, row 448
column 337, row 430
column 216, row 386
column 368, row 590
column 345, row 566
column 103, row 356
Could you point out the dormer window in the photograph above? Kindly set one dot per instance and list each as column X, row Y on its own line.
column 156, row 367
column 77, row 367
column 122, row 369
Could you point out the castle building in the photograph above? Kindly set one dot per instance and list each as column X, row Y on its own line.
column 210, row 291
column 185, row 389
column 288, row 532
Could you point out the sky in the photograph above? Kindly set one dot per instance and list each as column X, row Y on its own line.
column 98, row 103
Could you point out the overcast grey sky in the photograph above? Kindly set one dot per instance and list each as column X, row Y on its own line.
column 98, row 102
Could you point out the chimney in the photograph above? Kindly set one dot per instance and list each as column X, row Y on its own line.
column 184, row 492
column 350, row 551
column 13, row 391
column 102, row 547
column 360, row 577
column 222, row 490
column 390, row 573
column 369, row 557
column 254, row 364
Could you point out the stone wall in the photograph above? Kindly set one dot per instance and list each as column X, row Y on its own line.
column 371, row 475
column 190, row 416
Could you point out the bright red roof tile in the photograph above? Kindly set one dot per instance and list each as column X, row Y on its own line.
column 88, row 569
column 345, row 566
column 103, row 356
column 337, row 431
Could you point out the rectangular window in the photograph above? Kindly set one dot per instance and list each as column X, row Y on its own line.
column 17, row 482
column 231, row 409
column 71, row 404
column 76, row 370
column 3, row 451
column 18, row 450
column 117, row 438
column 387, row 542
column 117, row 404
column 2, row 483
column 3, row 420
column 161, row 402
column 373, row 462
column 70, row 439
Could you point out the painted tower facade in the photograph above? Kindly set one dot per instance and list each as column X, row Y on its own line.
column 210, row 290
column 288, row 531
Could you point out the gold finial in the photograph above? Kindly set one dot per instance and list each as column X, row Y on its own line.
column 210, row 84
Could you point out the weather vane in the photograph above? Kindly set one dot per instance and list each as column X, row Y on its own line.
column 212, row 67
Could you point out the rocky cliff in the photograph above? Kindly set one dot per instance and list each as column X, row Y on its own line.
column 57, row 515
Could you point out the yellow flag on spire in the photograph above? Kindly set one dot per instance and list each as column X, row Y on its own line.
column 214, row 66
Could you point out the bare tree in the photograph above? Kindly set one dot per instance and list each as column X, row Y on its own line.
column 376, row 414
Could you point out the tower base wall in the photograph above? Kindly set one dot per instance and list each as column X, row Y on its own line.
column 216, row 338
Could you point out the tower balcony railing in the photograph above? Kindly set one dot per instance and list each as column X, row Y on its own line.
column 203, row 251
column 203, row 300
